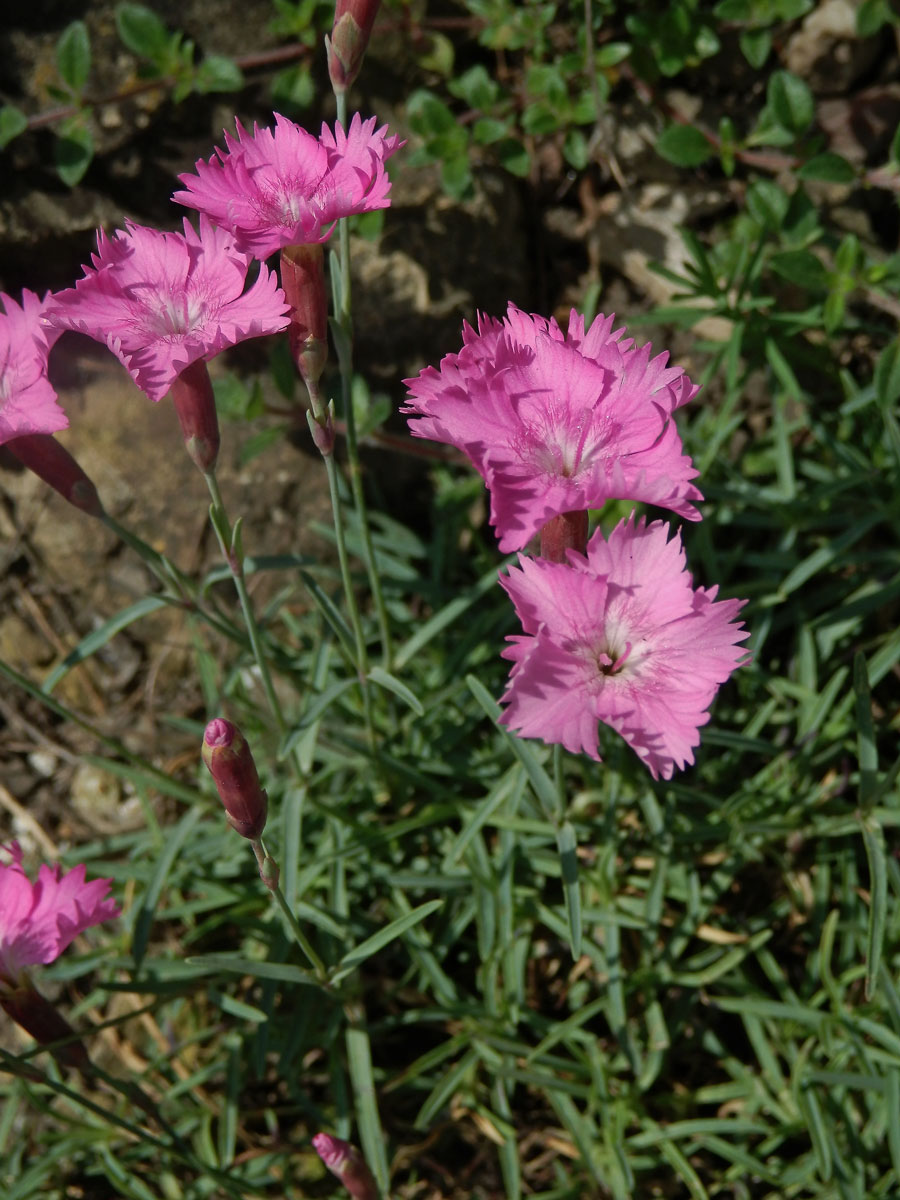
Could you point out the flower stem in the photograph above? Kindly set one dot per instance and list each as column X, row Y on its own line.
column 362, row 654
column 229, row 542
column 345, row 364
column 268, row 873
column 568, row 531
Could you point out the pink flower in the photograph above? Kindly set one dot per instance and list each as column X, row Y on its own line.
column 346, row 1162
column 558, row 423
column 39, row 920
column 161, row 301
column 282, row 186
column 619, row 636
column 28, row 403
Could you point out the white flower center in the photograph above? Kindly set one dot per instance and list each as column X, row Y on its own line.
column 168, row 316
column 554, row 441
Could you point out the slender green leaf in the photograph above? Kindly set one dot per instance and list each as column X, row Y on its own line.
column 352, row 959
column 99, row 637
column 384, row 679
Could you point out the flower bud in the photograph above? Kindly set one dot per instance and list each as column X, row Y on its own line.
column 346, row 48
column 303, row 281
column 195, row 404
column 346, row 1162
column 226, row 753
column 52, row 462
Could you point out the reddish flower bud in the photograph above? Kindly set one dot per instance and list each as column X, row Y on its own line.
column 37, row 1016
column 43, row 454
column 346, row 48
column 303, row 281
column 192, row 395
column 226, row 753
column 346, row 1162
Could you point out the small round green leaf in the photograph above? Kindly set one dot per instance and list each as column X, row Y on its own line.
column 428, row 114
column 489, row 129
column 575, row 149
column 476, row 87
column 756, row 45
column 767, row 203
column 456, row 176
column 800, row 267
column 293, row 88
column 12, row 122
column 512, row 155
column 833, row 168
column 683, row 145
column 790, row 101
column 872, row 15
column 218, row 74
column 541, row 117
column 612, row 54
column 73, row 56
column 142, row 31
column 72, row 153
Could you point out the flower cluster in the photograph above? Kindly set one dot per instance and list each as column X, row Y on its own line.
column 614, row 631
column 165, row 303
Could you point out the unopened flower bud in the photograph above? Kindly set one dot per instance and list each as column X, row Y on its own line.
column 346, row 1162
column 195, row 404
column 52, row 462
column 346, row 48
column 226, row 753
column 37, row 1016
column 303, row 282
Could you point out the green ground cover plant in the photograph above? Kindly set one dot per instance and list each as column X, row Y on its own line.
column 499, row 968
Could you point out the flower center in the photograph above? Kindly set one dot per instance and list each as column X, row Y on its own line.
column 168, row 316
column 553, row 440
column 609, row 662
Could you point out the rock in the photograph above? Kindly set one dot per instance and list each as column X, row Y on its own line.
column 826, row 52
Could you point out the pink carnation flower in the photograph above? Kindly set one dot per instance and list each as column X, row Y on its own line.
column 619, row 636
column 558, row 423
column 161, row 301
column 28, row 403
column 39, row 920
column 280, row 187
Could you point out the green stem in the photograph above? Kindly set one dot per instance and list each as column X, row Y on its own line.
column 268, row 872
column 362, row 654
column 345, row 364
column 234, row 557
column 560, row 780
